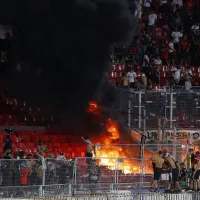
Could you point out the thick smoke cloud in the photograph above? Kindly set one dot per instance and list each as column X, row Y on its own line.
column 69, row 40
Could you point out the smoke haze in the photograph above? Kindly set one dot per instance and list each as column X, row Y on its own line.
column 69, row 40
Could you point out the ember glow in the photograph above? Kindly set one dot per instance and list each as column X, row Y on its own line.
column 111, row 150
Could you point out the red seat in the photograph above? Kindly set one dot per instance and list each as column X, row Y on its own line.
column 29, row 145
column 51, row 149
column 53, row 138
column 56, row 145
column 119, row 67
column 69, row 149
column 25, row 138
column 24, row 149
column 2, row 141
column 62, row 138
column 55, row 154
column 20, row 145
column 35, row 139
column 112, row 74
column 133, row 50
column 15, row 149
column 33, row 150
column 44, row 138
column 65, row 145
column 60, row 149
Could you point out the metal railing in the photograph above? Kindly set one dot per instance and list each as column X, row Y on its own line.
column 120, row 196
column 128, row 171
column 179, row 109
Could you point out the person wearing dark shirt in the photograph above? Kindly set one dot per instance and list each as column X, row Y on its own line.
column 183, row 176
column 8, row 143
column 185, row 46
column 94, row 174
column 166, row 176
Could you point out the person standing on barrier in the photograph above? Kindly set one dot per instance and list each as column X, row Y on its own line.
column 183, row 176
column 8, row 140
column 42, row 149
column 189, row 161
column 158, row 162
column 166, row 176
column 90, row 147
column 194, row 162
column 196, row 176
column 175, row 172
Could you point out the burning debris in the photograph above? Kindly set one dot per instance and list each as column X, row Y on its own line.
column 109, row 147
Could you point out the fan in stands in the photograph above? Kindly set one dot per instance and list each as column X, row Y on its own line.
column 8, row 141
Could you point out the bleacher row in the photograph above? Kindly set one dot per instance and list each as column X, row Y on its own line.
column 28, row 142
column 165, row 73
column 17, row 113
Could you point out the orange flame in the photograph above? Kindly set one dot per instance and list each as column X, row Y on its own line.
column 111, row 150
column 93, row 108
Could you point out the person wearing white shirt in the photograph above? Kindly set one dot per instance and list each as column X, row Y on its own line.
column 195, row 28
column 176, row 74
column 147, row 6
column 157, row 61
column 131, row 76
column 176, row 35
column 138, row 10
column 151, row 22
column 188, row 78
column 61, row 156
column 145, row 62
column 176, row 4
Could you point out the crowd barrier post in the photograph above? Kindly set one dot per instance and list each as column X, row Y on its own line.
column 140, row 110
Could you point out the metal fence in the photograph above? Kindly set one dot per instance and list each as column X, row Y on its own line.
column 52, row 177
column 143, row 108
column 121, row 196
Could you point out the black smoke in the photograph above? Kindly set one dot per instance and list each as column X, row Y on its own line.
column 69, row 41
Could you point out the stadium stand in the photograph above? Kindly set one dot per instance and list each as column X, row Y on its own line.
column 170, row 20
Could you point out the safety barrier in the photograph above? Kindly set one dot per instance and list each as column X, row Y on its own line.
column 133, row 165
column 119, row 196
column 52, row 177
column 142, row 110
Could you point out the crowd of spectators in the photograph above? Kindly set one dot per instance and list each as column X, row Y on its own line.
column 42, row 167
column 151, row 77
column 169, row 36
column 19, row 168
column 176, row 176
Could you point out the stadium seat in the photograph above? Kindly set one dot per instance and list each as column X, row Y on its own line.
column 44, row 138
column 53, row 138
column 52, row 149
column 64, row 145
column 2, row 141
column 69, row 149
column 35, row 139
column 61, row 138
column 29, row 145
column 24, row 149
column 15, row 149
column 60, row 149
column 56, row 145
column 55, row 154
column 33, row 150
column 25, row 138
